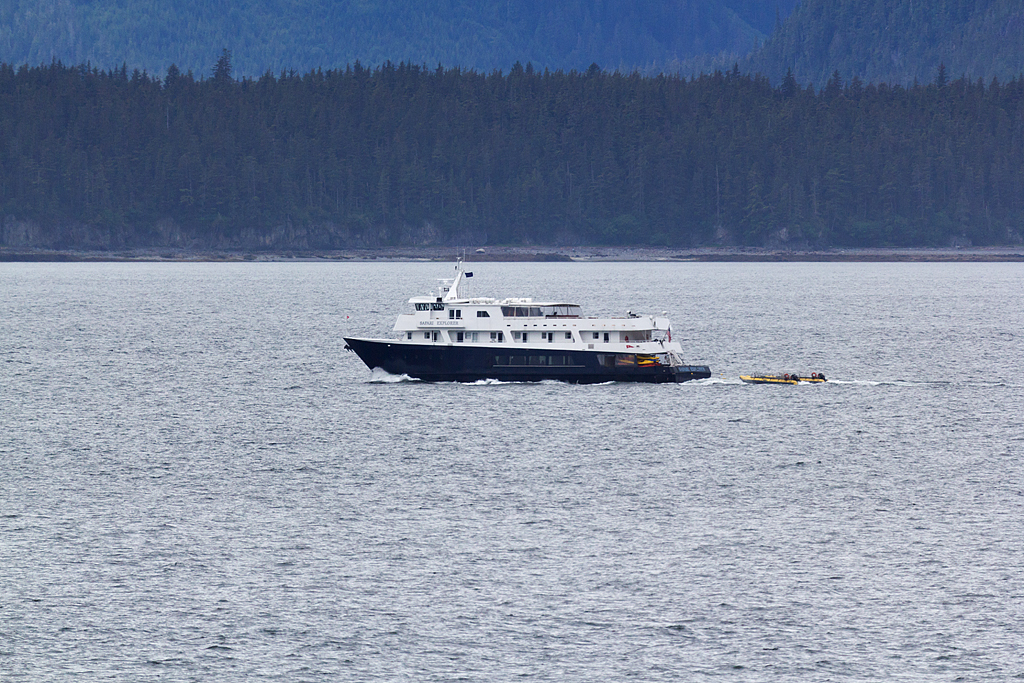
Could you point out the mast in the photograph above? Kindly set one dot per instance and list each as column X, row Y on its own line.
column 453, row 288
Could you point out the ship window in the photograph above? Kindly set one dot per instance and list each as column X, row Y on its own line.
column 564, row 311
column 597, row 335
column 525, row 336
column 458, row 312
column 516, row 335
column 451, row 313
column 606, row 360
column 458, row 336
column 422, row 307
column 521, row 312
column 473, row 336
column 437, row 306
column 408, row 335
column 482, row 314
column 541, row 361
column 426, row 335
column 435, row 336
column 568, row 335
column 605, row 337
column 625, row 359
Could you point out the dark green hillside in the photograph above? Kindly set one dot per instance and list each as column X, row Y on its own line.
column 278, row 35
column 405, row 156
column 896, row 41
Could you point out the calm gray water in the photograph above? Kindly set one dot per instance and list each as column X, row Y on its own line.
column 200, row 484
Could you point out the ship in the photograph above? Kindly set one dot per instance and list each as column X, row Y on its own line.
column 451, row 337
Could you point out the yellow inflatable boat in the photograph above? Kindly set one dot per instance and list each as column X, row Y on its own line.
column 785, row 378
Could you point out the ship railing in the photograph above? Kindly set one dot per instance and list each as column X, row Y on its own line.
column 674, row 359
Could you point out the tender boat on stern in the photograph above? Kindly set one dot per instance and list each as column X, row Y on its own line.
column 453, row 337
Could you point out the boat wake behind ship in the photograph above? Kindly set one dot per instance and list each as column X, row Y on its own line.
column 451, row 337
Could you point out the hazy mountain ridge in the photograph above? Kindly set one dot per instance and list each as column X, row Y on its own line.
column 276, row 35
column 895, row 41
column 892, row 41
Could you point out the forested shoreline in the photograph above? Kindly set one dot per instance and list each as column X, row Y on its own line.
column 406, row 155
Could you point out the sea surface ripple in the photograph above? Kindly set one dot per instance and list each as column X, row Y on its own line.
column 199, row 483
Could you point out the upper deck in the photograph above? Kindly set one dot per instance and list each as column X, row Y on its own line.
column 452, row 317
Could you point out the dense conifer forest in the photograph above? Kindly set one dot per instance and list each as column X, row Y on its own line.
column 404, row 155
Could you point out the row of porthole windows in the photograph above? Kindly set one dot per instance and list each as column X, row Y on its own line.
column 500, row 337
column 544, row 336
column 534, row 360
column 460, row 336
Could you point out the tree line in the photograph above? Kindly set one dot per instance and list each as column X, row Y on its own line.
column 404, row 154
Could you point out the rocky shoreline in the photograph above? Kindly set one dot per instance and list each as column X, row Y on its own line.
column 529, row 254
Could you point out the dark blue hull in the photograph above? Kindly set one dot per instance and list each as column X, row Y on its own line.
column 464, row 363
